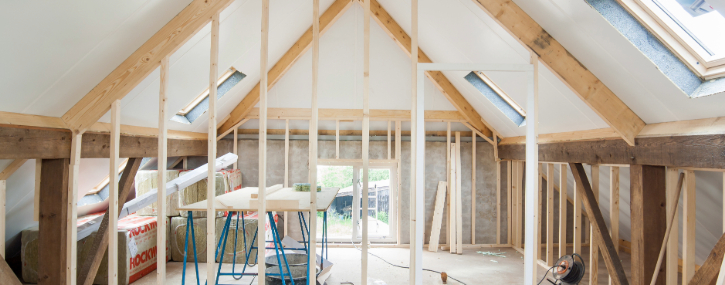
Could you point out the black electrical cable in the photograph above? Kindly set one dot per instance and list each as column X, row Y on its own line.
column 400, row 266
column 575, row 275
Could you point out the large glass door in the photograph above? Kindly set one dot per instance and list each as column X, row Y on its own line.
column 344, row 217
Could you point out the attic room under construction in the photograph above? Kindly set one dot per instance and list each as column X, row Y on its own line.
column 362, row 142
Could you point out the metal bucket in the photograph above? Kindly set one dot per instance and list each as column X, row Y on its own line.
column 294, row 259
column 299, row 273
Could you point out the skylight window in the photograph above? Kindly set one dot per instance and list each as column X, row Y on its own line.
column 200, row 104
column 692, row 29
column 493, row 93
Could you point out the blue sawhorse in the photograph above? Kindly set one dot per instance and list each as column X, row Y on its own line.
column 221, row 247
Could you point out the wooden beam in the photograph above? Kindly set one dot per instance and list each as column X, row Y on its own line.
column 355, row 115
column 473, row 194
column 577, row 222
column 3, row 221
column 36, row 197
column 399, row 179
column 7, row 276
column 614, row 208
column 648, row 213
column 532, row 176
column 52, row 244
column 22, row 143
column 337, row 137
column 562, row 63
column 10, row 169
column 449, row 198
column 452, row 240
column 90, row 266
column 285, row 63
column 708, row 272
column 211, row 140
column 373, row 133
column 706, row 151
column 404, row 41
column 611, row 258
column 29, row 121
column 141, row 63
column 459, row 198
column 509, row 210
column 437, row 217
column 688, row 228
column 262, row 99
column 671, row 216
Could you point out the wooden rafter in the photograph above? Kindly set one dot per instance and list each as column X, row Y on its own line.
column 354, row 114
column 10, row 169
column 391, row 27
column 141, row 63
column 562, row 63
column 284, row 64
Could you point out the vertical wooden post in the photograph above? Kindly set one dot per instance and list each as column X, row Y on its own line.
column 236, row 147
column 399, row 183
column 286, row 170
column 577, row 223
column 211, row 154
column 390, row 147
column 648, row 212
column 563, row 195
column 449, row 198
column 337, row 139
column 593, row 242
column 473, row 193
column 532, row 173
column 3, row 198
column 614, row 207
column 113, row 194
column 52, row 243
column 417, row 158
column 72, row 212
column 312, row 275
column 508, row 202
column 36, row 198
column 459, row 199
column 688, row 227
column 550, row 214
column 672, row 254
column 453, row 194
column 262, row 222
column 161, row 179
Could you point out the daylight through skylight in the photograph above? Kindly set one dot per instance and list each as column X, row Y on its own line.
column 699, row 21
column 498, row 97
column 200, row 104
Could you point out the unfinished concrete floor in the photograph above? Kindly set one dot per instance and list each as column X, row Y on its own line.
column 470, row 267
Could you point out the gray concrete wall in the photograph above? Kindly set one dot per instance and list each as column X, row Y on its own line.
column 435, row 162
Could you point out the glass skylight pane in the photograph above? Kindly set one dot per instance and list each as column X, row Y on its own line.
column 700, row 21
column 499, row 99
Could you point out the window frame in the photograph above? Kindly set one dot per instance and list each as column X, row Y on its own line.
column 184, row 111
column 676, row 39
column 501, row 93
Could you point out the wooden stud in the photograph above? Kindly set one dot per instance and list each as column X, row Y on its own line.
column 449, row 197
column 577, row 223
column 334, row 12
column 390, row 149
column 594, row 243
column 90, row 266
column 211, row 153
column 508, row 202
column 417, row 143
column 672, row 214
column 236, row 148
column 614, row 209
column 539, row 217
column 36, row 198
column 473, row 194
column 532, row 174
column 161, row 218
column 611, row 258
column 453, row 240
column 7, row 276
column 262, row 225
column 113, row 194
column 563, row 195
column 459, row 199
column 3, row 198
column 688, row 228
column 312, row 259
column 286, row 170
column 337, row 138
column 185, row 163
column 437, row 217
column 671, row 263
column 550, row 214
column 520, row 204
column 399, row 180
column 72, row 212
column 10, row 169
